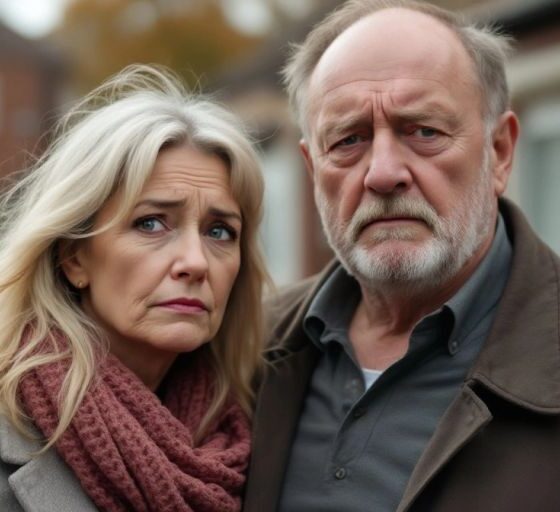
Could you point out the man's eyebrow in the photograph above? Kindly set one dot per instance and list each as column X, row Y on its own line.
column 341, row 126
column 426, row 114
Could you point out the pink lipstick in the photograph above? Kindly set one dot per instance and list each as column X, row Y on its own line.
column 185, row 305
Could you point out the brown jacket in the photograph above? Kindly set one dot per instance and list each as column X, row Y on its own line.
column 497, row 447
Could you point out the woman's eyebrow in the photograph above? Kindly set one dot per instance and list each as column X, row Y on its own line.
column 170, row 204
column 225, row 214
column 162, row 203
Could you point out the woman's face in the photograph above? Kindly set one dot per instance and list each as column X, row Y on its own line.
column 159, row 281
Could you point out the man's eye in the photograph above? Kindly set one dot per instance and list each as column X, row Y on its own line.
column 425, row 132
column 149, row 224
column 350, row 140
column 223, row 233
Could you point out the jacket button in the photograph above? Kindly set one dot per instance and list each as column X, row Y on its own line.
column 340, row 474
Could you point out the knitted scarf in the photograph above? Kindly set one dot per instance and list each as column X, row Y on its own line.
column 132, row 451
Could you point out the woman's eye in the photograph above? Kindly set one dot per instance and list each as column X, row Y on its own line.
column 222, row 233
column 149, row 224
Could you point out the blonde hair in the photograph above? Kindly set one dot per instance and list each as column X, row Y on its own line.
column 486, row 46
column 109, row 141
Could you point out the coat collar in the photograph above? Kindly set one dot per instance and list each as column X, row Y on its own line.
column 14, row 447
column 520, row 361
column 40, row 482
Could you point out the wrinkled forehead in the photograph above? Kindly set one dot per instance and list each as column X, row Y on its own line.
column 388, row 48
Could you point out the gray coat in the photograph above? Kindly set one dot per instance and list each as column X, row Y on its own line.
column 36, row 484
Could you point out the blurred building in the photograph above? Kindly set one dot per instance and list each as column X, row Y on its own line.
column 29, row 80
column 534, row 77
column 292, row 234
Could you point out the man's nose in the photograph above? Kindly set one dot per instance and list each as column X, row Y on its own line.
column 388, row 171
column 190, row 260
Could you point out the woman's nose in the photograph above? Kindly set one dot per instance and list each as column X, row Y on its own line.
column 190, row 260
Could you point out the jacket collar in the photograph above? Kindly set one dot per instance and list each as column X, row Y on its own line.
column 289, row 335
column 40, row 482
column 520, row 360
column 14, row 447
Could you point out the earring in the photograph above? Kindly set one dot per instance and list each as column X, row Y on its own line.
column 80, row 284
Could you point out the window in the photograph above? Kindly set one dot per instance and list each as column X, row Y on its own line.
column 539, row 169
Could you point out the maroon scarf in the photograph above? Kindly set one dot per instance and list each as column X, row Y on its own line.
column 132, row 451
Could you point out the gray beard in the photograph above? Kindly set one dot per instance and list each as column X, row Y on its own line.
column 454, row 240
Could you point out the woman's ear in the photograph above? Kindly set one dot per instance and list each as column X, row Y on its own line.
column 71, row 257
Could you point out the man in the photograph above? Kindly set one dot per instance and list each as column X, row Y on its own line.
column 421, row 370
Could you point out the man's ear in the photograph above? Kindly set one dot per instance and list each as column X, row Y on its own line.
column 306, row 152
column 71, row 257
column 504, row 140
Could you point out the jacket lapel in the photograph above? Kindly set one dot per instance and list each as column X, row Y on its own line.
column 292, row 359
column 519, row 362
column 42, row 482
column 464, row 418
column 276, row 417
column 46, row 483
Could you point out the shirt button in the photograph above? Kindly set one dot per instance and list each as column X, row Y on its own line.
column 340, row 474
column 358, row 412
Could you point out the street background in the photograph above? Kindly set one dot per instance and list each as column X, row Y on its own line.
column 53, row 51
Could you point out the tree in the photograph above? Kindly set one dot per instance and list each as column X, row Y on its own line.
column 192, row 37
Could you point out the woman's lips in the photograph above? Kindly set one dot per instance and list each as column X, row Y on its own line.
column 184, row 305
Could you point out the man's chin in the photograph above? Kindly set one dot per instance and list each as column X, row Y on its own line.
column 397, row 263
column 387, row 244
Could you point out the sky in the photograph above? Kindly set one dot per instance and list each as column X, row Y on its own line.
column 36, row 18
column 31, row 18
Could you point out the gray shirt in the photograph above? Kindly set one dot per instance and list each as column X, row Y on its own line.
column 355, row 449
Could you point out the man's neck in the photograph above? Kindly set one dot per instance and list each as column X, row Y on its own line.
column 386, row 316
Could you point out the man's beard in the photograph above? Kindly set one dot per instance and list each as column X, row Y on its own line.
column 421, row 265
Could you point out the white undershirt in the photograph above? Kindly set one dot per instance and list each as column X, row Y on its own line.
column 370, row 376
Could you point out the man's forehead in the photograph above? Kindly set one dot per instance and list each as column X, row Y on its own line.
column 388, row 44
column 404, row 97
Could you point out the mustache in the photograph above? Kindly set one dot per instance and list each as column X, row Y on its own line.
column 392, row 207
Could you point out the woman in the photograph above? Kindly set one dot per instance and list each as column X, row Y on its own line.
column 130, row 307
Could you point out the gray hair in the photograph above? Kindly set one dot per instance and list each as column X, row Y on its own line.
column 486, row 46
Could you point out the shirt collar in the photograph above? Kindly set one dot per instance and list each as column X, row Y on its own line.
column 331, row 310
column 481, row 292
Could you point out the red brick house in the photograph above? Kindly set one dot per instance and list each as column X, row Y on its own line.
column 29, row 77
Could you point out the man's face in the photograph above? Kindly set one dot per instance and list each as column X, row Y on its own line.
column 403, row 170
